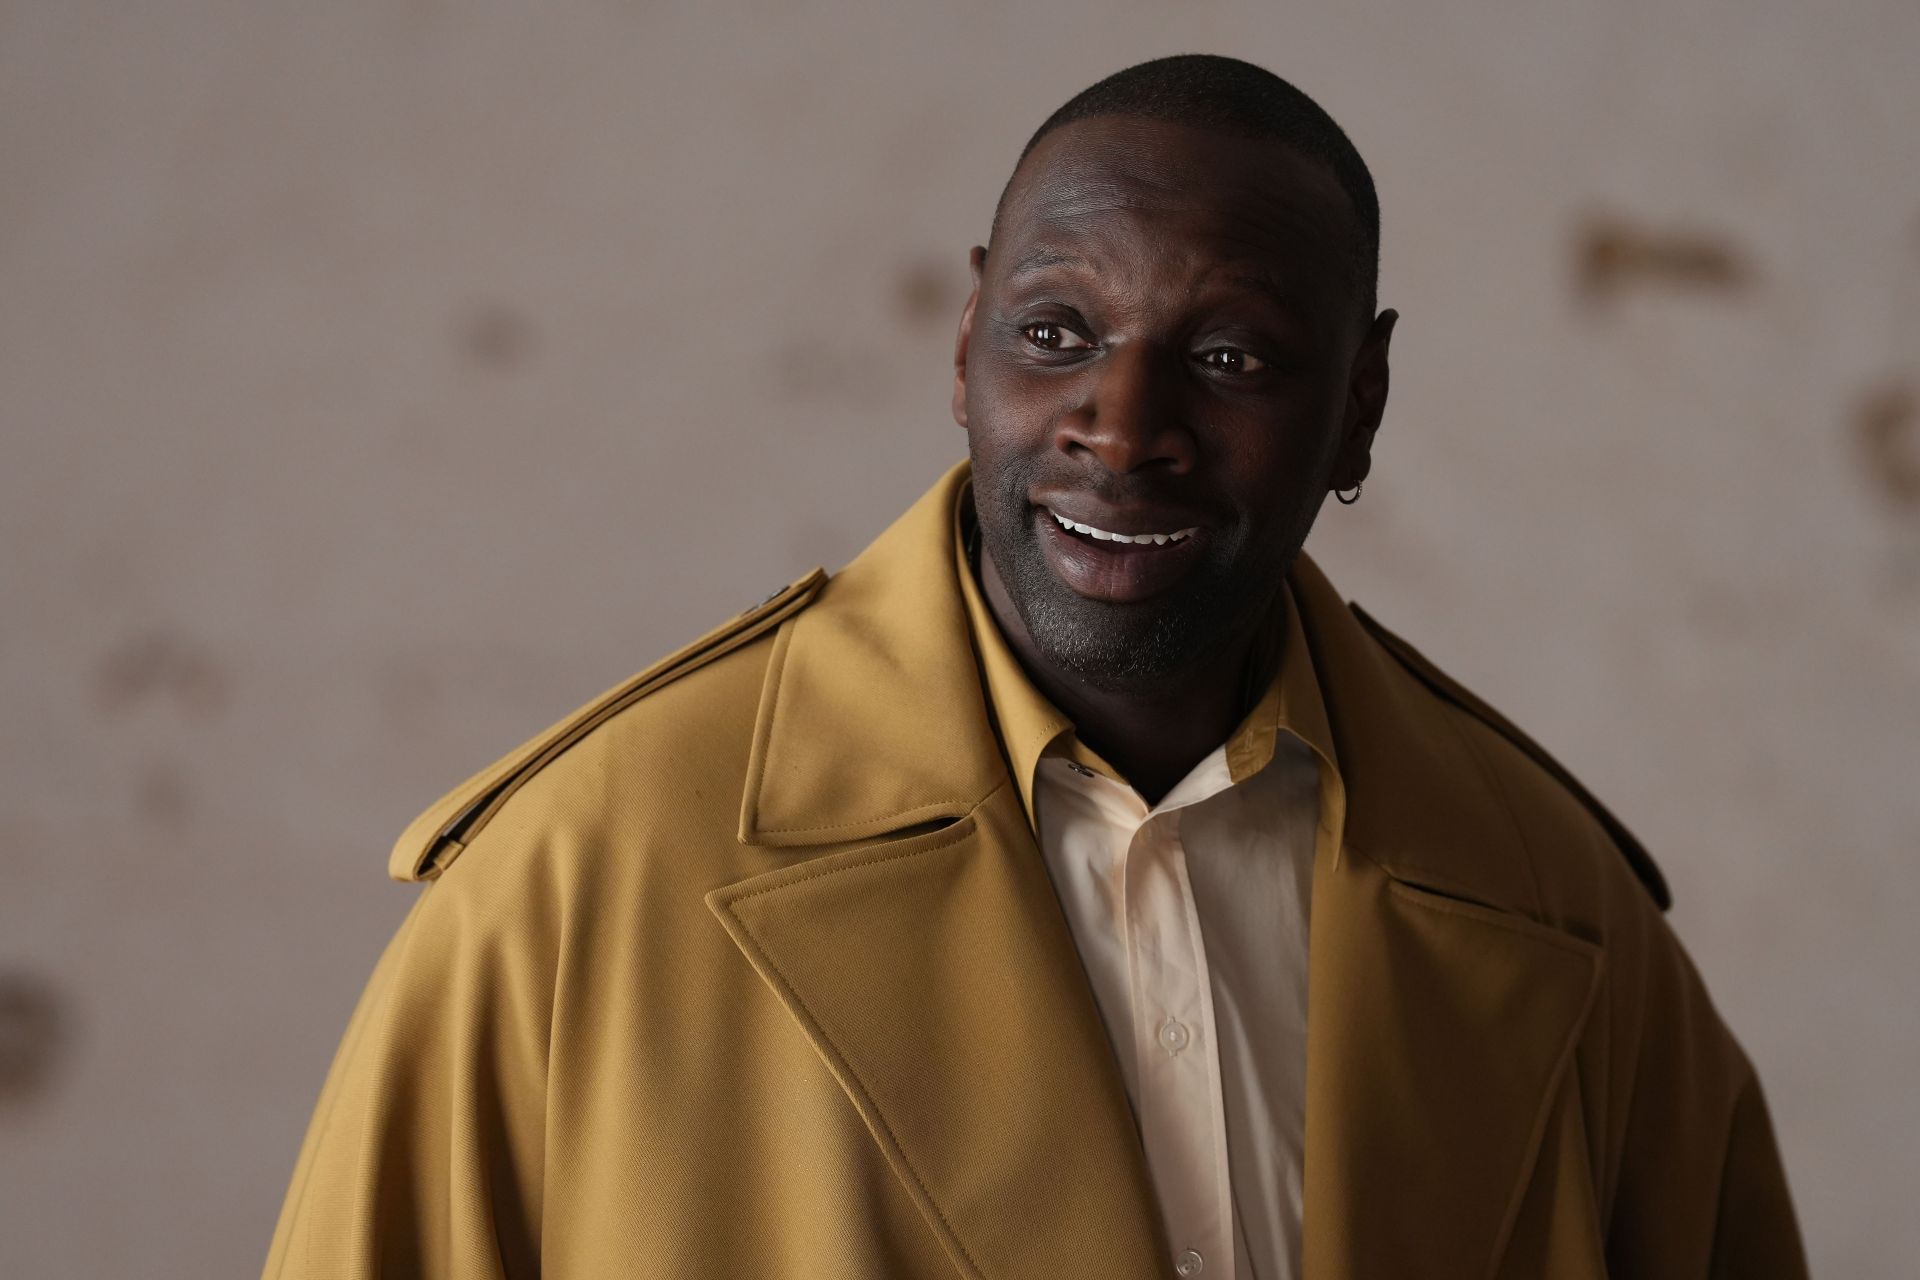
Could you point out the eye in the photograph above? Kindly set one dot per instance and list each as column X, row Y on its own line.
column 1232, row 360
column 1048, row 336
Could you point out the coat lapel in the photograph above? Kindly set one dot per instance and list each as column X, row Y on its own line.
column 938, row 979
column 1442, row 1016
column 915, row 938
column 1438, row 1034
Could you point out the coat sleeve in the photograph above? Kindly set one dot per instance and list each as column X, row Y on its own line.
column 424, row 1154
column 1755, row 1232
column 1700, row 1190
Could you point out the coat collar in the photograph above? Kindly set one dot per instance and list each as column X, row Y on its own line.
column 915, row 938
column 874, row 717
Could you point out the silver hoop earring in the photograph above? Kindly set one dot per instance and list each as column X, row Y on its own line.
column 1345, row 499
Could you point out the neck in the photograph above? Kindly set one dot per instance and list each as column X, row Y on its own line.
column 1153, row 737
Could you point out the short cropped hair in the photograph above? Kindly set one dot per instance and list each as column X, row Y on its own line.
column 1234, row 97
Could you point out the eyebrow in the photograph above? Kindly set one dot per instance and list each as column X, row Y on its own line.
column 1286, row 299
column 1042, row 257
column 1045, row 257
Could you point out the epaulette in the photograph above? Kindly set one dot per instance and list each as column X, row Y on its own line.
column 435, row 838
column 1452, row 691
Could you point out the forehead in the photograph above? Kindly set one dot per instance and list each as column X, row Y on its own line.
column 1117, row 189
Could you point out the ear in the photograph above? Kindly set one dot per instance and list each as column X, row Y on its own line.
column 1366, row 402
column 976, row 262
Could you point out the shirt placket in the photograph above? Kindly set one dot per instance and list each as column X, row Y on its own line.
column 1176, row 1055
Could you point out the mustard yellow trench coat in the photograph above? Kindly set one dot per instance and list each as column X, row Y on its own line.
column 752, row 969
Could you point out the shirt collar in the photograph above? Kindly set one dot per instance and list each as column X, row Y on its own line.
column 1031, row 727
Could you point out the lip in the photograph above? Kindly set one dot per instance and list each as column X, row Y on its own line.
column 1117, row 572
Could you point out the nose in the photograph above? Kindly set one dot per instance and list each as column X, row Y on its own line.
column 1130, row 417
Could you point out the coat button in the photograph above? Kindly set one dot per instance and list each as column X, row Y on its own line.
column 1189, row 1263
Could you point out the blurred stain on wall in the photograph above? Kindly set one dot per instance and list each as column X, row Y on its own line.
column 163, row 794
column 930, row 292
column 1887, row 430
column 497, row 336
column 1614, row 255
column 160, row 666
column 33, row 1027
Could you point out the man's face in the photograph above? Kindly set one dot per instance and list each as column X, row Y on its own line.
column 1165, row 340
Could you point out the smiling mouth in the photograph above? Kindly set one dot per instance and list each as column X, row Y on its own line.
column 1131, row 539
column 1114, row 567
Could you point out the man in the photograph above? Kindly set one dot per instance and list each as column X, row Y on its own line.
column 950, row 916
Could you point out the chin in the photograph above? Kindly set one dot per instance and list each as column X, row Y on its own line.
column 1138, row 647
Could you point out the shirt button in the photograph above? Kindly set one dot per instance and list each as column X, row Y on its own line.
column 1173, row 1038
column 1079, row 768
column 1189, row 1263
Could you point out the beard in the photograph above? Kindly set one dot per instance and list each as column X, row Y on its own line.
column 1123, row 648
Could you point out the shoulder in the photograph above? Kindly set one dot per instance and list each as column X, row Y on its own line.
column 620, row 749
column 1557, row 815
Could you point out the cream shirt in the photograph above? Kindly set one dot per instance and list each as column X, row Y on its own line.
column 1191, row 919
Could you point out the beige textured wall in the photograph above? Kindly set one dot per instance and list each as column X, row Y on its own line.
column 379, row 380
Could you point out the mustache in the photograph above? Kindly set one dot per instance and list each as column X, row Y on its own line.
column 1106, row 487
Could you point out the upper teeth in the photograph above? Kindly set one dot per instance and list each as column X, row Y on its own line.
column 1105, row 535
